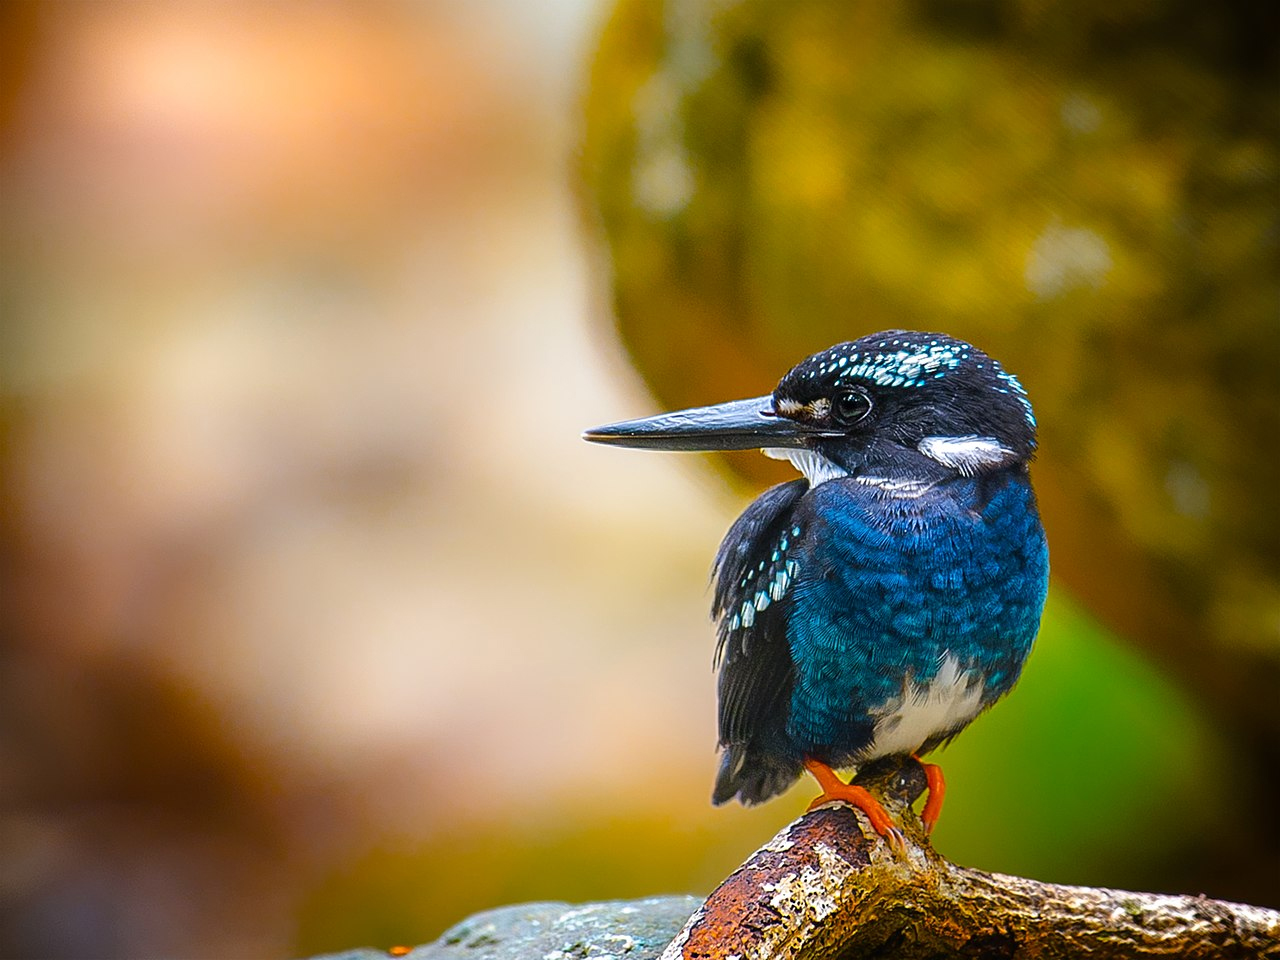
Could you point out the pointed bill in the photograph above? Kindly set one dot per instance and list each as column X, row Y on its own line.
column 738, row 425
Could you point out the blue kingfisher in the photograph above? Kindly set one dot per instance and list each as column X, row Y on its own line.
column 875, row 606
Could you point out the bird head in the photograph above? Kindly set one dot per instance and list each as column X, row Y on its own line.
column 897, row 403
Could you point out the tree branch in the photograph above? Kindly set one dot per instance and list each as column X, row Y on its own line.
column 829, row 886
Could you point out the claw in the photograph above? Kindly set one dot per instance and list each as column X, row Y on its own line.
column 833, row 788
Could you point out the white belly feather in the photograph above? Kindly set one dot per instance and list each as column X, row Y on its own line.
column 950, row 700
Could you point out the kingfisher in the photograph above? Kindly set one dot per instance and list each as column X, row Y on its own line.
column 876, row 605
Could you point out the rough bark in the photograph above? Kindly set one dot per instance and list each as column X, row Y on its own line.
column 828, row 886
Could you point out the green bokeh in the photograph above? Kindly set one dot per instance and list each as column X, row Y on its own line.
column 1094, row 762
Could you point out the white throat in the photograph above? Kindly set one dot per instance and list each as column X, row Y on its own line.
column 815, row 467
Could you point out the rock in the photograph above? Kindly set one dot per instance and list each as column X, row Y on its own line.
column 631, row 929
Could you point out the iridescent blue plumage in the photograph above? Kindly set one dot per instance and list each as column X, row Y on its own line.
column 890, row 587
column 876, row 606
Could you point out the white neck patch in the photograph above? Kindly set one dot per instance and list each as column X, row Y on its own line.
column 900, row 488
column 816, row 468
column 968, row 455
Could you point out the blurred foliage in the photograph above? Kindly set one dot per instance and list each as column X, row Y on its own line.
column 249, row 249
column 1088, row 190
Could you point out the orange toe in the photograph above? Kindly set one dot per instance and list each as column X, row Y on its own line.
column 833, row 788
column 937, row 791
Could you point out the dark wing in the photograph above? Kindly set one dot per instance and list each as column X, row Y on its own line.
column 754, row 569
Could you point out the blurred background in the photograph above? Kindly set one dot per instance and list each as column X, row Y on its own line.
column 319, row 625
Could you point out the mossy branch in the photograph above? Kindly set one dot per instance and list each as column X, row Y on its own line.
column 828, row 886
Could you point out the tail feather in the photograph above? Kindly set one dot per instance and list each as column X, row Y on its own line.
column 754, row 774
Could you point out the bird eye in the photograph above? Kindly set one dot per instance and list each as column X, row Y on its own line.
column 850, row 406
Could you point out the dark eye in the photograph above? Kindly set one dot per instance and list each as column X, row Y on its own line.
column 850, row 406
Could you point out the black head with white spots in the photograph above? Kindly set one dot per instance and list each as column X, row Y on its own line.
column 896, row 406
column 900, row 399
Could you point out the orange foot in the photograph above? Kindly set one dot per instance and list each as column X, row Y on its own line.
column 833, row 788
column 937, row 791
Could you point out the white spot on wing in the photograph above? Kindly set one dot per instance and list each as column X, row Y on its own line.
column 779, row 585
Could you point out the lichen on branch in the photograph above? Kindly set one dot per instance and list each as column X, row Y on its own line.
column 829, row 886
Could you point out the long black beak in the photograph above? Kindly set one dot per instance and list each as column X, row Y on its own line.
column 738, row 425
